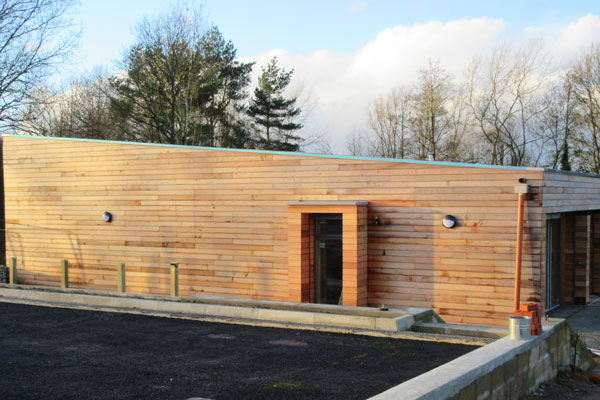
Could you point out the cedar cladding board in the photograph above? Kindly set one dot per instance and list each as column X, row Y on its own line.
column 223, row 216
column 595, row 253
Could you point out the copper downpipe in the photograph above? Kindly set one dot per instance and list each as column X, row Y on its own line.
column 519, row 252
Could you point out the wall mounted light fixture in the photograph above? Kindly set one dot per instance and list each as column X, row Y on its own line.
column 449, row 221
column 377, row 221
column 107, row 217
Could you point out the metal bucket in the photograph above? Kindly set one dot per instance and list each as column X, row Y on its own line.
column 519, row 328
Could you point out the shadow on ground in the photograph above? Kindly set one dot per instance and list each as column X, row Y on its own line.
column 584, row 319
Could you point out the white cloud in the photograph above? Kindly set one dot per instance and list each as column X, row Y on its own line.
column 567, row 41
column 342, row 86
column 356, row 8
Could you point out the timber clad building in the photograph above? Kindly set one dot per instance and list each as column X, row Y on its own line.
column 298, row 227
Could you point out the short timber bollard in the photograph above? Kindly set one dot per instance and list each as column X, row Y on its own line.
column 121, row 277
column 13, row 271
column 174, row 279
column 64, row 274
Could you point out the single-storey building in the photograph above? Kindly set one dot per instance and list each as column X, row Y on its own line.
column 299, row 227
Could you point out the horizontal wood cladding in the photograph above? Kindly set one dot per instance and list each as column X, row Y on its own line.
column 595, row 255
column 570, row 192
column 223, row 216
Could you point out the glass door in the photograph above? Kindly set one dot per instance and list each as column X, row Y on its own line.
column 328, row 258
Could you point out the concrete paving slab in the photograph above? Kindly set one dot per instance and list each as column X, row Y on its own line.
column 584, row 319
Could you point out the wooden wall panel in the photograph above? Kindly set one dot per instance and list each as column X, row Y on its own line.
column 222, row 215
column 582, row 257
column 568, row 259
column 567, row 192
column 595, row 261
column 578, row 269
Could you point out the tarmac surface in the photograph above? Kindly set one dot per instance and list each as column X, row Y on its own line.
column 584, row 319
column 576, row 385
column 55, row 353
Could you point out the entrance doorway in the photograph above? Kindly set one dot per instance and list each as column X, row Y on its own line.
column 328, row 271
column 553, row 244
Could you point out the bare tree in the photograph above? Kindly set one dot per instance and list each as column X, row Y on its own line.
column 317, row 142
column 504, row 97
column 81, row 111
column 159, row 90
column 356, row 144
column 389, row 120
column 429, row 120
column 461, row 145
column 41, row 114
column 585, row 77
column 558, row 122
column 35, row 37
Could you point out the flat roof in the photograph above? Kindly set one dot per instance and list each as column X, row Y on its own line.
column 359, row 158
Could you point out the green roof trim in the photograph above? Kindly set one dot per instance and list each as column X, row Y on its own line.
column 287, row 153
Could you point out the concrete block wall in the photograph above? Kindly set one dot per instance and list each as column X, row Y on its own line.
column 504, row 369
column 536, row 364
column 539, row 364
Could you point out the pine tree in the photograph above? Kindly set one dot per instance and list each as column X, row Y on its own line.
column 271, row 113
column 565, row 163
column 222, row 88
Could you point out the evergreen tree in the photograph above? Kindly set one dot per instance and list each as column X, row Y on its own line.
column 565, row 163
column 157, row 94
column 183, row 84
column 272, row 115
column 222, row 88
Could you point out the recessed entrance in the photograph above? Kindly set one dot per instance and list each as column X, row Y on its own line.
column 328, row 260
column 338, row 253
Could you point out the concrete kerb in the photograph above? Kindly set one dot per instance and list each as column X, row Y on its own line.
column 275, row 312
column 522, row 364
column 460, row 330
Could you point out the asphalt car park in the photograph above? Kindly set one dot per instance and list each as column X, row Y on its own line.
column 72, row 354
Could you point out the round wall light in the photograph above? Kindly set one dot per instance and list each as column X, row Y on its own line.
column 106, row 217
column 449, row 221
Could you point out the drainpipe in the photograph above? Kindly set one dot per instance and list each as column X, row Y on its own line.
column 521, row 189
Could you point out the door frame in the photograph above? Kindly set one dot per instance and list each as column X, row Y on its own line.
column 354, row 248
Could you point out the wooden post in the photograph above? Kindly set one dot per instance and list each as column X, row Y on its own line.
column 13, row 271
column 64, row 274
column 121, row 277
column 175, row 279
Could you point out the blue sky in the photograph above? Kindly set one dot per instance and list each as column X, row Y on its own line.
column 347, row 53
column 304, row 26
